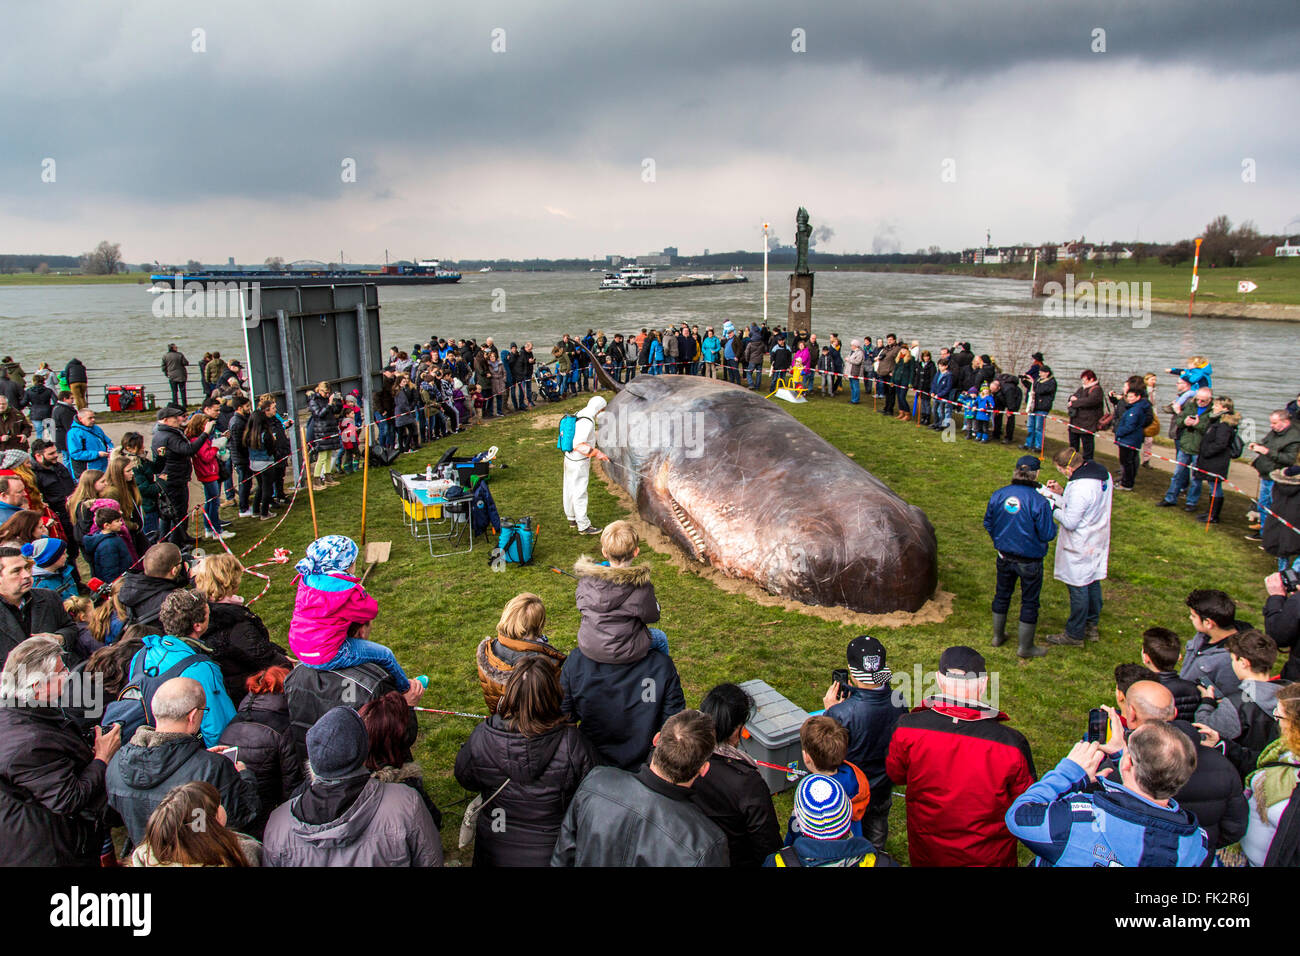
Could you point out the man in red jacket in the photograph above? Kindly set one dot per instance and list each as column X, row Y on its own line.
column 963, row 768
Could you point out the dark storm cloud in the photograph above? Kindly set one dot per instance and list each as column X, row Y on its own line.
column 284, row 93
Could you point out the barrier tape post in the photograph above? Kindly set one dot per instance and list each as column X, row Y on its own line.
column 365, row 485
column 311, row 493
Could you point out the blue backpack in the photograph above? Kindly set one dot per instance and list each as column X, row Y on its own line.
column 568, row 425
column 517, row 540
column 133, row 707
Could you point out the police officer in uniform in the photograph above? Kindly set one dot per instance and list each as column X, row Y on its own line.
column 1019, row 520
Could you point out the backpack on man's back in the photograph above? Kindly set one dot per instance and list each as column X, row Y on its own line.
column 311, row 693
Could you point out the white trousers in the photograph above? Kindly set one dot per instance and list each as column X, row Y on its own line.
column 576, row 474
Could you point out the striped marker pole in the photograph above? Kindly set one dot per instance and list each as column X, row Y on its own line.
column 1196, row 261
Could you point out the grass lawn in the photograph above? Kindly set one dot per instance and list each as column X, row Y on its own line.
column 435, row 611
column 32, row 278
column 1278, row 279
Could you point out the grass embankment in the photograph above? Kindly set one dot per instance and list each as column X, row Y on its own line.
column 1278, row 279
column 32, row 278
column 435, row 611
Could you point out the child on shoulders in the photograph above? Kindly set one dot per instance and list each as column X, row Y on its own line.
column 617, row 601
column 332, row 614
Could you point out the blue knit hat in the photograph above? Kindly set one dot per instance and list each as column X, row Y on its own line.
column 332, row 554
column 821, row 807
column 44, row 551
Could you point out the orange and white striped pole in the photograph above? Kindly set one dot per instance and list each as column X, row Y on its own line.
column 1196, row 261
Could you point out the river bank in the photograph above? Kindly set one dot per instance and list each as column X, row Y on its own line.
column 1265, row 311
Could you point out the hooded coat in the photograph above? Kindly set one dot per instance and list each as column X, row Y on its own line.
column 145, row 770
column 616, row 604
column 386, row 825
column 543, row 773
column 107, row 555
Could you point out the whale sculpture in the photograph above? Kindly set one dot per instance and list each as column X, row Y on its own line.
column 740, row 484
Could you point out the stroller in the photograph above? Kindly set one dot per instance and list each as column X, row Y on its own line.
column 548, row 384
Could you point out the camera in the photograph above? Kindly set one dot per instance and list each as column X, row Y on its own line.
column 1290, row 580
column 841, row 677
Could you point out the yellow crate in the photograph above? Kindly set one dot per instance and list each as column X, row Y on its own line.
column 420, row 512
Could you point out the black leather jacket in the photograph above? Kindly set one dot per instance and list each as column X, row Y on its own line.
column 636, row 819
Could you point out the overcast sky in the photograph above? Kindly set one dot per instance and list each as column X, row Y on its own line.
column 541, row 150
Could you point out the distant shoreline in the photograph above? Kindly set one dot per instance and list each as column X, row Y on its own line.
column 1207, row 305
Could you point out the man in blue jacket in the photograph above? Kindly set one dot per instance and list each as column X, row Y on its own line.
column 1132, row 823
column 185, row 615
column 88, row 446
column 869, row 711
column 1019, row 520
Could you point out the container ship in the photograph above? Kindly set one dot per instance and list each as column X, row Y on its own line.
column 424, row 272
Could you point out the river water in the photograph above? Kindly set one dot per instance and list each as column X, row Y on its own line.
column 113, row 330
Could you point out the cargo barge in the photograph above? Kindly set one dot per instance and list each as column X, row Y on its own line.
column 644, row 277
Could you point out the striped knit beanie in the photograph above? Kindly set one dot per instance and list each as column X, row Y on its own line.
column 821, row 807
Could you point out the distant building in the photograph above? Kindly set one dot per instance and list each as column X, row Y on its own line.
column 613, row 261
column 230, row 261
column 670, row 251
column 654, row 259
column 706, row 252
column 1291, row 247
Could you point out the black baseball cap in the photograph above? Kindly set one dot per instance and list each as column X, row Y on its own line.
column 962, row 658
column 866, row 657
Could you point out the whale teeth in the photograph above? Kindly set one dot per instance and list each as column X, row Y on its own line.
column 696, row 539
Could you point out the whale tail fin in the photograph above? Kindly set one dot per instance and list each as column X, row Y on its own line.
column 601, row 375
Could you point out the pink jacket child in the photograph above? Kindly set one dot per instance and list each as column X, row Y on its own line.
column 206, row 463
column 348, row 431
column 329, row 604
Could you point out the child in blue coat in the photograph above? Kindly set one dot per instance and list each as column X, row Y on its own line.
column 51, row 570
column 1199, row 373
column 983, row 414
column 968, row 398
column 105, row 547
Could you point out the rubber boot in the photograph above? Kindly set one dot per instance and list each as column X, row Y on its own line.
column 999, row 629
column 1216, row 505
column 1027, row 646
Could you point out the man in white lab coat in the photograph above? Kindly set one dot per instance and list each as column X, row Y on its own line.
column 1082, row 509
column 577, row 467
